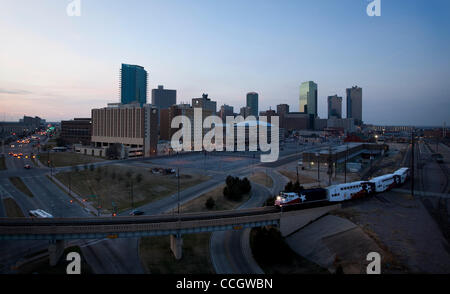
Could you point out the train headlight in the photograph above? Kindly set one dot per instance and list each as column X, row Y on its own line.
column 278, row 198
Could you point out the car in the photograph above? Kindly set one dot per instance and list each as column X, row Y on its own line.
column 136, row 212
column 27, row 166
column 10, row 153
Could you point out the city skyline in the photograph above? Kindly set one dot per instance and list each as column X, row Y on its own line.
column 399, row 59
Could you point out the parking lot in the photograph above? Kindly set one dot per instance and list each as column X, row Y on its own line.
column 206, row 162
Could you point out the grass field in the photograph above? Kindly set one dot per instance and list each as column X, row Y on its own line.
column 262, row 178
column 112, row 184
column 20, row 185
column 293, row 177
column 157, row 256
column 221, row 203
column 2, row 163
column 59, row 159
column 11, row 208
column 266, row 240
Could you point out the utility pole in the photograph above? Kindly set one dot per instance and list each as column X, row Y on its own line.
column 412, row 162
column 70, row 181
column 330, row 166
column 132, row 198
column 178, row 184
column 345, row 166
column 318, row 167
column 297, row 173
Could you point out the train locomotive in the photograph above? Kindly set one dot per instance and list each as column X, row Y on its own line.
column 346, row 191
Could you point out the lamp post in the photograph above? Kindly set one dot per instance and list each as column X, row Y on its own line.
column 178, row 186
column 318, row 167
column 345, row 165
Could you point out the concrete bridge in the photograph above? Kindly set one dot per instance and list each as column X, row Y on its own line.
column 56, row 230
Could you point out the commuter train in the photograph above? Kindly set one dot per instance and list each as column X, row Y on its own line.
column 347, row 191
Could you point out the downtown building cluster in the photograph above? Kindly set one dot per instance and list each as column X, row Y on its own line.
column 144, row 129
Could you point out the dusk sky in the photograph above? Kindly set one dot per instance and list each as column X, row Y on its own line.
column 60, row 67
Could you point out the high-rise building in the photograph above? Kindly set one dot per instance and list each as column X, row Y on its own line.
column 282, row 111
column 334, row 106
column 308, row 98
column 133, row 84
column 133, row 126
column 268, row 114
column 252, row 102
column 163, row 98
column 354, row 104
column 186, row 110
column 226, row 110
column 205, row 103
column 245, row 111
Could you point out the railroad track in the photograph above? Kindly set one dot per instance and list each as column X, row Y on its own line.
column 445, row 171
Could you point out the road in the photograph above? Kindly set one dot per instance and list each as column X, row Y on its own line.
column 117, row 256
column 230, row 250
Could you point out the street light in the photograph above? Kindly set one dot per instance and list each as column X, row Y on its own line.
column 318, row 167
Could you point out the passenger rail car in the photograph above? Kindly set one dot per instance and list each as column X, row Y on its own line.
column 347, row 191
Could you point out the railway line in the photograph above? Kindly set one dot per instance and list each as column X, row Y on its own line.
column 444, row 169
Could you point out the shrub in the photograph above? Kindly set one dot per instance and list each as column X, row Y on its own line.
column 235, row 188
column 210, row 203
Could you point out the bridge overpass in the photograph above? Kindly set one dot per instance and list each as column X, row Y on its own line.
column 56, row 230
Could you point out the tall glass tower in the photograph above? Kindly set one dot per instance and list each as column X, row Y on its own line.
column 354, row 104
column 133, row 84
column 252, row 102
column 308, row 98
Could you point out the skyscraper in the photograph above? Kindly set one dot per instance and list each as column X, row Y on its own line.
column 354, row 104
column 308, row 98
column 205, row 103
column 163, row 98
column 225, row 110
column 252, row 102
column 334, row 106
column 133, row 84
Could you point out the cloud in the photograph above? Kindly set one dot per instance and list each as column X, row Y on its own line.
column 14, row 91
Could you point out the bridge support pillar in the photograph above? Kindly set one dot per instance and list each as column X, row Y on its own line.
column 176, row 245
column 55, row 251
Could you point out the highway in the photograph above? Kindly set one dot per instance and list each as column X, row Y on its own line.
column 47, row 196
column 117, row 255
column 230, row 250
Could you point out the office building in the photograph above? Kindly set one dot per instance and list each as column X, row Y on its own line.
column 245, row 111
column 334, row 106
column 205, row 103
column 308, row 98
column 133, row 126
column 163, row 98
column 226, row 110
column 76, row 131
column 187, row 110
column 268, row 114
column 282, row 110
column 252, row 103
column 133, row 84
column 354, row 104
